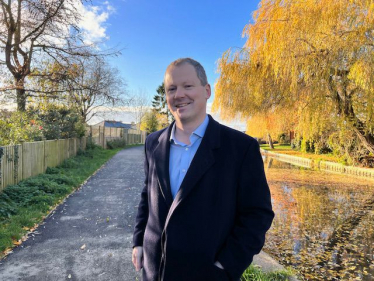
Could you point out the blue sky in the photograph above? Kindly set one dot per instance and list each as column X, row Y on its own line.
column 154, row 33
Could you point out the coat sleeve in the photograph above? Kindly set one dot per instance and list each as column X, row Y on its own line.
column 253, row 218
column 143, row 210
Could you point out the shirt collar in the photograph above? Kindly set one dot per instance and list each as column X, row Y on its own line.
column 199, row 131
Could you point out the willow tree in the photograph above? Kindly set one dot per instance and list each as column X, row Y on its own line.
column 313, row 53
column 272, row 124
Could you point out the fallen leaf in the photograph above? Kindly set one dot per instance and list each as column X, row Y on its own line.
column 17, row 242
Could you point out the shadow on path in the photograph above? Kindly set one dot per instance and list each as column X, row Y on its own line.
column 89, row 236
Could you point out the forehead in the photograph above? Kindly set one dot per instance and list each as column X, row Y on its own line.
column 180, row 74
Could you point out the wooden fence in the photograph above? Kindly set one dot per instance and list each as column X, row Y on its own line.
column 101, row 135
column 18, row 162
column 322, row 165
column 299, row 161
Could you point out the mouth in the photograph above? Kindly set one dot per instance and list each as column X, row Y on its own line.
column 182, row 105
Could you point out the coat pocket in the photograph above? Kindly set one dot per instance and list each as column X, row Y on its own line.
column 218, row 274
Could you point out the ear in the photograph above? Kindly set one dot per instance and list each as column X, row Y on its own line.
column 208, row 91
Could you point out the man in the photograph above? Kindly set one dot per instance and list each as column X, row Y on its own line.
column 205, row 206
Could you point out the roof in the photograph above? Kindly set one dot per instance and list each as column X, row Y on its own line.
column 117, row 124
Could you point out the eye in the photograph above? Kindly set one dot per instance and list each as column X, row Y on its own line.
column 188, row 86
column 171, row 89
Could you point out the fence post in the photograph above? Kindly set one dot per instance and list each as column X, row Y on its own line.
column 1, row 169
column 44, row 154
column 22, row 142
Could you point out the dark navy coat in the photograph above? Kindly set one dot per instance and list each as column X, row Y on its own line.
column 221, row 212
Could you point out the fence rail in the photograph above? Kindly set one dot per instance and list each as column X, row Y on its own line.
column 101, row 135
column 322, row 165
column 299, row 161
column 19, row 162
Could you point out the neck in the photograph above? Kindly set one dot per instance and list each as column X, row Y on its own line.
column 183, row 131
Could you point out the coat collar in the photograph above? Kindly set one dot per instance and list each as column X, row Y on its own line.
column 161, row 156
column 202, row 161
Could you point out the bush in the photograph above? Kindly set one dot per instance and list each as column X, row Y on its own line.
column 70, row 163
column 59, row 121
column 59, row 179
column 20, row 193
column 283, row 139
column 52, row 170
column 7, row 207
column 117, row 143
column 90, row 144
column 43, row 200
column 19, row 126
column 86, row 153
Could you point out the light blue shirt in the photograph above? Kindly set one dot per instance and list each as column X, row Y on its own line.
column 181, row 155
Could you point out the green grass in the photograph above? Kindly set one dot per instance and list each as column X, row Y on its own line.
column 254, row 273
column 24, row 206
column 286, row 149
column 277, row 147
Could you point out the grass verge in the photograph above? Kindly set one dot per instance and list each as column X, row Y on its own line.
column 25, row 205
column 286, row 149
column 254, row 273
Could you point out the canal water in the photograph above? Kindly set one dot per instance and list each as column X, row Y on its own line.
column 324, row 222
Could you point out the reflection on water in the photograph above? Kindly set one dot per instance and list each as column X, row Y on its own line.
column 324, row 222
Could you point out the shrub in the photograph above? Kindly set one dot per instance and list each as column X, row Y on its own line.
column 52, row 170
column 86, row 153
column 70, row 163
column 7, row 207
column 90, row 144
column 283, row 138
column 18, row 126
column 20, row 193
column 59, row 121
column 117, row 143
column 59, row 179
column 43, row 200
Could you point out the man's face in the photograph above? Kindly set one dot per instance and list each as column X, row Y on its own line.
column 185, row 95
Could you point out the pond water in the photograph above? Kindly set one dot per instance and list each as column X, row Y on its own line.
column 324, row 222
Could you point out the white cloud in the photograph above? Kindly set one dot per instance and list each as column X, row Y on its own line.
column 94, row 19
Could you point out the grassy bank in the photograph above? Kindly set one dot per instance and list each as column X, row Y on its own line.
column 286, row 149
column 25, row 205
column 254, row 273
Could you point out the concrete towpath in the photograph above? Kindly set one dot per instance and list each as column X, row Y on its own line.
column 89, row 236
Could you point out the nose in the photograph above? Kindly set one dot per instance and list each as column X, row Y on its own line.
column 179, row 93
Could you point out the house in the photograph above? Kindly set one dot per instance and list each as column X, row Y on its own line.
column 114, row 124
column 108, row 130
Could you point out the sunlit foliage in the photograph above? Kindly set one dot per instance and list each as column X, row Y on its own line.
column 315, row 57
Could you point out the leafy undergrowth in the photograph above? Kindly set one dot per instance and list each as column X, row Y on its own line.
column 254, row 273
column 25, row 205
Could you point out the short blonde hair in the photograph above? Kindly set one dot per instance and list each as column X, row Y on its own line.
column 200, row 71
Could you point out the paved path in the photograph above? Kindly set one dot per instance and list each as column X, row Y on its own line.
column 100, row 216
column 89, row 236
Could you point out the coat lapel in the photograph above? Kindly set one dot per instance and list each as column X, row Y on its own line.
column 202, row 161
column 161, row 156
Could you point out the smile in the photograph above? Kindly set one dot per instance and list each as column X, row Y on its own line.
column 182, row 105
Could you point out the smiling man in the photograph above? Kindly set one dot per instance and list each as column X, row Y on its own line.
column 205, row 206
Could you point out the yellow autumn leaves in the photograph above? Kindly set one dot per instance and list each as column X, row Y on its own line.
column 310, row 59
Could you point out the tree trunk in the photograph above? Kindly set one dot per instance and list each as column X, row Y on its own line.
column 344, row 107
column 21, row 95
column 270, row 141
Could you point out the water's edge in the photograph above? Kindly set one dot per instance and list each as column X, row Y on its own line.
column 321, row 165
